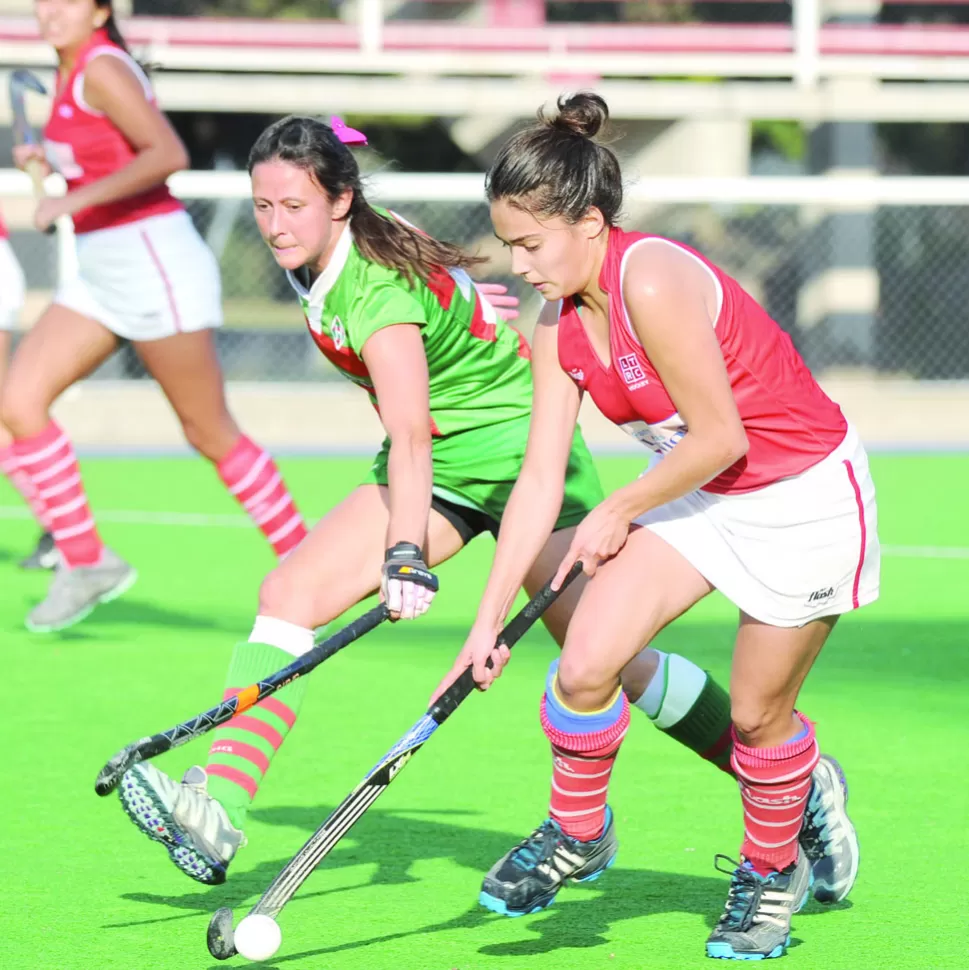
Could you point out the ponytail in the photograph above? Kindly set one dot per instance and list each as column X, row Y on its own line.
column 114, row 33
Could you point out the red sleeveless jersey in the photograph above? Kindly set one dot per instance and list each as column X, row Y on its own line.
column 4, row 233
column 84, row 146
column 791, row 424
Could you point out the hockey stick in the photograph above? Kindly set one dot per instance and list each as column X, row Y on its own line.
column 21, row 81
column 110, row 775
column 221, row 936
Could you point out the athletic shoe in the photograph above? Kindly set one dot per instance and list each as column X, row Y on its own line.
column 527, row 879
column 74, row 593
column 184, row 818
column 44, row 556
column 828, row 838
column 756, row 921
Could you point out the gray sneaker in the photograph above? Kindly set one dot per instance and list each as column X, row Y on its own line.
column 828, row 838
column 528, row 878
column 756, row 921
column 184, row 818
column 75, row 592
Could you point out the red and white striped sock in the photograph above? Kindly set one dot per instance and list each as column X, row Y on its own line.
column 581, row 767
column 251, row 475
column 10, row 466
column 48, row 459
column 774, row 785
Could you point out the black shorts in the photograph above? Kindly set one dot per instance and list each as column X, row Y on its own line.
column 468, row 522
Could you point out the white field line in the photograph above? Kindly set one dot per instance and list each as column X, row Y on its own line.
column 198, row 520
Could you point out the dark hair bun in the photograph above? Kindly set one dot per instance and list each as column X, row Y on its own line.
column 581, row 114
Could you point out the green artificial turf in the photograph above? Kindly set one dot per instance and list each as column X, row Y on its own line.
column 82, row 889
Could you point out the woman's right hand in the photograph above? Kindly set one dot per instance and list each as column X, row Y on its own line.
column 479, row 646
column 22, row 155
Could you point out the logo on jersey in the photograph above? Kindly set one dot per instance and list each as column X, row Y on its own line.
column 577, row 374
column 65, row 111
column 632, row 372
column 820, row 595
column 338, row 333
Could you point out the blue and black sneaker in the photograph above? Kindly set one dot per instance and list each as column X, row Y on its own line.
column 528, row 878
column 828, row 838
column 756, row 921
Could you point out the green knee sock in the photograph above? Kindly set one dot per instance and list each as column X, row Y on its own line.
column 242, row 750
column 686, row 703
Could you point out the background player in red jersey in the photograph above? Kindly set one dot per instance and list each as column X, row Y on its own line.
column 763, row 492
column 11, row 303
column 145, row 275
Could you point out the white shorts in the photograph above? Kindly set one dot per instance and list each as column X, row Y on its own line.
column 11, row 287
column 147, row 279
column 802, row 548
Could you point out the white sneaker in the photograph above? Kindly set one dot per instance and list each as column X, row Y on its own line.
column 75, row 592
column 183, row 817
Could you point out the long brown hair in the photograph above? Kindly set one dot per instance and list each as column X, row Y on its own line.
column 312, row 146
column 110, row 25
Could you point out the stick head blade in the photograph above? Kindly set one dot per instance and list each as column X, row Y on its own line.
column 219, row 935
column 111, row 774
column 25, row 80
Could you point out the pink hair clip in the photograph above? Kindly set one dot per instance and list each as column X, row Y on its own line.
column 349, row 136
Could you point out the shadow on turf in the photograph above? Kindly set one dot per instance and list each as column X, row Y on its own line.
column 132, row 611
column 393, row 843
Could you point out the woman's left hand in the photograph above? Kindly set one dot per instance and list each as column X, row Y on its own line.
column 600, row 535
column 48, row 211
column 505, row 303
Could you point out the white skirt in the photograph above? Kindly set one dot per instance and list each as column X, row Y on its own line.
column 147, row 279
column 11, row 286
column 802, row 548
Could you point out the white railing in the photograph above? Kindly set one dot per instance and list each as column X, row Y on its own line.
column 835, row 192
column 867, row 273
column 806, row 51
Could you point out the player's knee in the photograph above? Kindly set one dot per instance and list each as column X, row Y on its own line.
column 582, row 682
column 276, row 594
column 206, row 438
column 21, row 412
column 756, row 719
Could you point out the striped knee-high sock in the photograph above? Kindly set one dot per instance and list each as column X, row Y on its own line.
column 242, row 750
column 251, row 475
column 686, row 703
column 48, row 458
column 774, row 785
column 10, row 467
column 584, row 749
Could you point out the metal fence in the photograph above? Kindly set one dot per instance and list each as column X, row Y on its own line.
column 861, row 285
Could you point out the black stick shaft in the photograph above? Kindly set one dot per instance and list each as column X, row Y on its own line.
column 448, row 702
column 111, row 774
column 378, row 779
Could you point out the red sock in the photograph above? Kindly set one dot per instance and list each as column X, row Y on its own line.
column 774, row 784
column 581, row 766
column 10, row 466
column 48, row 459
column 253, row 478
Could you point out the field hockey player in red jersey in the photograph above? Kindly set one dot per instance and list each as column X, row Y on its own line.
column 762, row 491
column 145, row 275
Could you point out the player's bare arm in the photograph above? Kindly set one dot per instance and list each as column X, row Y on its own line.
column 671, row 303
column 534, row 504
column 397, row 364
column 111, row 87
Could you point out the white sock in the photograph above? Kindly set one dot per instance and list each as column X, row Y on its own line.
column 651, row 699
column 287, row 636
column 673, row 691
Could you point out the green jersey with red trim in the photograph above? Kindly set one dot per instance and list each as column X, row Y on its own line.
column 477, row 364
